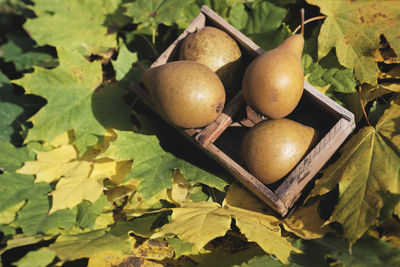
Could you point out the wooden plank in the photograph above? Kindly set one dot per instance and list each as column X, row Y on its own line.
column 212, row 131
column 329, row 103
column 290, row 190
column 171, row 52
column 248, row 180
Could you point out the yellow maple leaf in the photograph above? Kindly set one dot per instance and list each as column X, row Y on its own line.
column 85, row 182
column 63, row 139
column 7, row 216
column 180, row 189
column 197, row 223
column 306, row 223
column 51, row 165
column 111, row 258
column 257, row 223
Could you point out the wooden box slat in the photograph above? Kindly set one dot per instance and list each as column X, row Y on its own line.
column 221, row 139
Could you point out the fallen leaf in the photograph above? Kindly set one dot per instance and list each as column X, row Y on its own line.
column 41, row 257
column 306, row 223
column 258, row 226
column 111, row 258
column 51, row 165
column 368, row 167
column 84, row 182
column 197, row 223
column 354, row 29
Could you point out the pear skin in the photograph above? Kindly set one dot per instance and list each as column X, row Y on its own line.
column 273, row 83
column 186, row 93
column 217, row 50
column 272, row 148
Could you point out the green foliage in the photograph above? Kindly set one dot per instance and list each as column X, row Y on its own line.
column 21, row 51
column 40, row 257
column 153, row 167
column 74, row 25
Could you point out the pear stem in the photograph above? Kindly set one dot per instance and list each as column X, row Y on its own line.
column 302, row 21
column 307, row 21
column 136, row 64
column 362, row 106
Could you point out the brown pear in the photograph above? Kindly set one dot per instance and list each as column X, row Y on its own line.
column 215, row 49
column 273, row 82
column 272, row 148
column 186, row 93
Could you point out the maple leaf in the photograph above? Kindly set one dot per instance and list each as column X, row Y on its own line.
column 88, row 212
column 149, row 13
column 153, row 166
column 200, row 222
column 83, row 245
column 41, row 257
column 51, row 165
column 73, row 103
column 257, row 225
column 12, row 158
column 123, row 63
column 74, row 25
column 369, row 166
column 68, row 89
column 21, row 51
column 306, row 223
column 354, row 29
column 84, row 182
column 197, row 223
column 327, row 75
column 9, row 113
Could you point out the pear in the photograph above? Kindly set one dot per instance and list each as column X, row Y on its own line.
column 215, row 49
column 272, row 148
column 186, row 93
column 273, row 82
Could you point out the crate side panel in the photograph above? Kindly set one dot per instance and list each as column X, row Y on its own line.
column 290, row 190
column 251, row 183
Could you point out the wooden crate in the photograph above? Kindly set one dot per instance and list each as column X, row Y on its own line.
column 221, row 139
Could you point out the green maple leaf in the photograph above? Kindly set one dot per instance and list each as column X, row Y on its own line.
column 153, row 166
column 328, row 75
column 76, row 246
column 197, row 223
column 260, row 17
column 88, row 212
column 74, row 24
column 40, row 257
column 367, row 251
column 33, row 216
column 73, row 103
column 21, row 51
column 354, row 29
column 149, row 13
column 261, row 21
column 8, row 120
column 368, row 167
column 15, row 110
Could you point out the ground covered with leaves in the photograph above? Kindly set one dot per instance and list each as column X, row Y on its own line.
column 90, row 177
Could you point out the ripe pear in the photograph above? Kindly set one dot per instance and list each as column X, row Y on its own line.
column 186, row 93
column 273, row 82
column 215, row 49
column 272, row 148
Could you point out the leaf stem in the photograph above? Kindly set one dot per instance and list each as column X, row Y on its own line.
column 307, row 21
column 362, row 106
